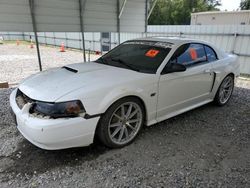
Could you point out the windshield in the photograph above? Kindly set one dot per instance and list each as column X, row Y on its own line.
column 141, row 56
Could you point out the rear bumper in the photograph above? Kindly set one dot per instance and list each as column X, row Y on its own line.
column 52, row 134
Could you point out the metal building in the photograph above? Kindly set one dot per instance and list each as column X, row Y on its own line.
column 221, row 18
column 74, row 16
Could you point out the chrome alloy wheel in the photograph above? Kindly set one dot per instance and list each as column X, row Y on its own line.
column 226, row 89
column 125, row 123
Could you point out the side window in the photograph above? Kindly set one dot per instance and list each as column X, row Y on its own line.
column 211, row 55
column 189, row 55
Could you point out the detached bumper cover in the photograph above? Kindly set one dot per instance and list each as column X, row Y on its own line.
column 52, row 134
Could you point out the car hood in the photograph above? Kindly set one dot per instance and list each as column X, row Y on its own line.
column 52, row 84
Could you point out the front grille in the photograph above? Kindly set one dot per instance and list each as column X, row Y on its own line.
column 22, row 99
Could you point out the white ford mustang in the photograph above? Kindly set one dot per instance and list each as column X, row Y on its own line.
column 139, row 82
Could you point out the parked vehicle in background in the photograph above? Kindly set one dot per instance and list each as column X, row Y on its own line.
column 139, row 82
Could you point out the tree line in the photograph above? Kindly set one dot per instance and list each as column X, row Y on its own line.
column 178, row 12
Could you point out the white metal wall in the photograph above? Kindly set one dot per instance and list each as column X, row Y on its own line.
column 64, row 15
column 70, row 39
column 57, row 15
column 133, row 16
column 231, row 38
column 221, row 18
column 15, row 15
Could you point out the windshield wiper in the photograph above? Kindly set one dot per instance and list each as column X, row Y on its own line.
column 122, row 62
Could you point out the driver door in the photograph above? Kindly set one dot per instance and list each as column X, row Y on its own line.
column 179, row 91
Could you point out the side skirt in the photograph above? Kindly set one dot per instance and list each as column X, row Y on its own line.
column 179, row 112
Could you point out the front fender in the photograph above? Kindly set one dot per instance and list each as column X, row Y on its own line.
column 98, row 98
column 119, row 93
column 100, row 104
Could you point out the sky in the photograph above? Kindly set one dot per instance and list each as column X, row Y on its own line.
column 230, row 4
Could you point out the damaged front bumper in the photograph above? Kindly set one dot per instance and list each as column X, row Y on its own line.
column 52, row 134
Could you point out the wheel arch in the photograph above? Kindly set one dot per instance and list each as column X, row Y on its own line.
column 131, row 96
column 230, row 74
column 221, row 80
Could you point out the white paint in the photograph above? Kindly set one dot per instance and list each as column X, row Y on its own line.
column 98, row 86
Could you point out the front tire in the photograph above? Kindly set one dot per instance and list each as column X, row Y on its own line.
column 121, row 123
column 225, row 90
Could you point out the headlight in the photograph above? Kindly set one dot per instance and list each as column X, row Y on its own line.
column 62, row 109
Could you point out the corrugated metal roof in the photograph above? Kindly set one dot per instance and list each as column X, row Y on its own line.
column 63, row 15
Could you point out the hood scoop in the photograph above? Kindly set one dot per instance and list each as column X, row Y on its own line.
column 70, row 69
column 85, row 67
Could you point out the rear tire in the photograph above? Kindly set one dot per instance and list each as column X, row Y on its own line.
column 121, row 123
column 225, row 90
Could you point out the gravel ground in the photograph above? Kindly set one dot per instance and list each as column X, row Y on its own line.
column 206, row 147
column 18, row 62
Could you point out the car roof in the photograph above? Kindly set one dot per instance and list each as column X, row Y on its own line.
column 173, row 40
column 177, row 41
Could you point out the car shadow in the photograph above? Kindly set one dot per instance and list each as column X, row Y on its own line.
column 29, row 159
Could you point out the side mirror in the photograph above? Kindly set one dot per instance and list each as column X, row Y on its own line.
column 173, row 67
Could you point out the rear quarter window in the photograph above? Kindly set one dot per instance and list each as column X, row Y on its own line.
column 190, row 54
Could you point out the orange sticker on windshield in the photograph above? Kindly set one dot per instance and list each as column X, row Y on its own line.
column 193, row 53
column 152, row 53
